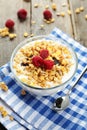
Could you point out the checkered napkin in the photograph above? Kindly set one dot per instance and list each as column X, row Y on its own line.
column 33, row 112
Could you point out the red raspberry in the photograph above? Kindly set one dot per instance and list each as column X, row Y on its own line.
column 37, row 61
column 44, row 53
column 9, row 23
column 48, row 64
column 22, row 14
column 47, row 15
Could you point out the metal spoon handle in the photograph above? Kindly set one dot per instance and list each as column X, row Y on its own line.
column 83, row 71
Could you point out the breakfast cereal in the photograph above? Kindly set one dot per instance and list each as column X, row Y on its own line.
column 52, row 70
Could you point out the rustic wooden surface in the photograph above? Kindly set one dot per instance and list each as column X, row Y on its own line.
column 74, row 25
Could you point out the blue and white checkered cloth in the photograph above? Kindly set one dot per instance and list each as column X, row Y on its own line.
column 36, row 113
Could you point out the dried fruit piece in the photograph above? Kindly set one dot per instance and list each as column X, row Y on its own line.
column 47, row 15
column 48, row 64
column 22, row 14
column 37, row 61
column 44, row 53
column 9, row 24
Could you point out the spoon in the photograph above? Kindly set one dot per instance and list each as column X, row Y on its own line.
column 62, row 102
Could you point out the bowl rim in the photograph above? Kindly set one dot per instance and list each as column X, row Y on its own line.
column 30, row 39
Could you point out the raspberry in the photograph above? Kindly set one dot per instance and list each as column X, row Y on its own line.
column 22, row 14
column 9, row 23
column 48, row 64
column 47, row 15
column 37, row 61
column 44, row 53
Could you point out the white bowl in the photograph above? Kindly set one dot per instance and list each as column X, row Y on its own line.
column 39, row 90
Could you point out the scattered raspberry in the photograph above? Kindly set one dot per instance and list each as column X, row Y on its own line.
column 44, row 53
column 37, row 61
column 22, row 14
column 47, row 15
column 9, row 23
column 48, row 64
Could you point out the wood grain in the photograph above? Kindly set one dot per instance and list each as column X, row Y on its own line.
column 74, row 25
column 78, row 21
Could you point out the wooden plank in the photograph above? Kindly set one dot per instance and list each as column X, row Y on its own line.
column 63, row 23
column 8, row 10
column 78, row 21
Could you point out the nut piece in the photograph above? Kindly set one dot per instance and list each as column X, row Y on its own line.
column 3, row 111
column 54, row 6
column 12, row 35
column 62, row 14
column 86, row 17
column 69, row 12
column 35, row 5
column 41, row 26
column 26, row 34
column 47, row 7
column 81, row 8
column 3, row 86
column 77, row 11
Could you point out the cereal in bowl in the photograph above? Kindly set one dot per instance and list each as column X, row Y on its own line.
column 43, row 63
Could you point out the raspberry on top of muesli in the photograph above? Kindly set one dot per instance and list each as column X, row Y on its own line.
column 42, row 63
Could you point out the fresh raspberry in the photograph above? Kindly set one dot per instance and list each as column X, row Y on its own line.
column 22, row 14
column 48, row 64
column 47, row 15
column 9, row 23
column 37, row 61
column 44, row 53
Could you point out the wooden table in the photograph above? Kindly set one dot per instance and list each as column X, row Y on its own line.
column 74, row 25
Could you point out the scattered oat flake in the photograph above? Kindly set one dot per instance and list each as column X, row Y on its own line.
column 54, row 6
column 47, row 7
column 64, row 4
column 41, row 26
column 33, row 22
column 12, row 35
column 3, row 112
column 62, row 14
column 11, row 118
column 26, row 34
column 52, row 20
column 69, row 12
column 86, row 17
column 31, row 35
column 36, row 5
column 81, row 8
column 58, row 14
column 77, row 11
column 3, row 86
